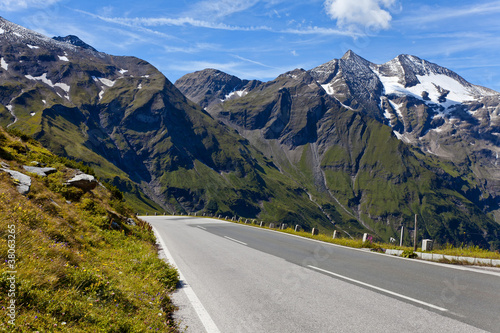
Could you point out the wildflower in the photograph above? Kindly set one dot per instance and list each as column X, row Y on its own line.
column 160, row 314
column 63, row 323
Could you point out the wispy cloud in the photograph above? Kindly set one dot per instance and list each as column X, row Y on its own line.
column 438, row 14
column 15, row 5
column 220, row 8
column 321, row 31
column 126, row 23
column 198, row 47
column 141, row 22
column 253, row 62
column 238, row 68
column 182, row 21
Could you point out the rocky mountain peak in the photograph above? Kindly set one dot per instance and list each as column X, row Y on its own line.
column 74, row 40
column 211, row 86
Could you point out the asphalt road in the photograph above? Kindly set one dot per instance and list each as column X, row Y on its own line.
column 239, row 278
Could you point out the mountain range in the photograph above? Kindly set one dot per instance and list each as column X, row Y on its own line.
column 348, row 145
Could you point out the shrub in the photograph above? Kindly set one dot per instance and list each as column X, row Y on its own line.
column 408, row 254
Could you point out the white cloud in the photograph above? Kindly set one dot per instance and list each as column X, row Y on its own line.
column 356, row 16
column 14, row 5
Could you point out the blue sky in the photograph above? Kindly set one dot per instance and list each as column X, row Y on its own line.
column 260, row 39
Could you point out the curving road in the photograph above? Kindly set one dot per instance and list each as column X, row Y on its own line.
column 238, row 278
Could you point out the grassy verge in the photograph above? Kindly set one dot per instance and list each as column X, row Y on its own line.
column 81, row 265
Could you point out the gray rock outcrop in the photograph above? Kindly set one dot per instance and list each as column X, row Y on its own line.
column 83, row 181
column 23, row 182
column 39, row 171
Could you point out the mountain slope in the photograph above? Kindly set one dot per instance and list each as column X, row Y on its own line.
column 74, row 256
column 138, row 131
column 330, row 129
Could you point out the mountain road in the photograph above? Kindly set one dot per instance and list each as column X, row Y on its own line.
column 238, row 278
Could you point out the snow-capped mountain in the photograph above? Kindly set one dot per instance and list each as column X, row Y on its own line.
column 307, row 150
column 425, row 105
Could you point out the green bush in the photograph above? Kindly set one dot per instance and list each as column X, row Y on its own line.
column 408, row 254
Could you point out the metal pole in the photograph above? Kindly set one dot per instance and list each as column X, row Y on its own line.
column 401, row 239
column 415, row 235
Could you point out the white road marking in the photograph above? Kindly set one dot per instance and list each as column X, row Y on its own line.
column 235, row 240
column 201, row 227
column 427, row 262
column 379, row 289
column 200, row 310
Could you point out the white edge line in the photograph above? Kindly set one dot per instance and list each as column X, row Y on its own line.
column 235, row 240
column 421, row 261
column 200, row 310
column 379, row 289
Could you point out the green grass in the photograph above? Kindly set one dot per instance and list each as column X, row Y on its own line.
column 80, row 266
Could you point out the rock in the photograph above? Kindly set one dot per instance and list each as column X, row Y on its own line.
column 130, row 222
column 83, row 181
column 40, row 171
column 22, row 181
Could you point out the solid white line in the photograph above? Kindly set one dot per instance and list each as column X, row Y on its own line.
column 426, row 262
column 380, row 289
column 235, row 240
column 421, row 261
column 201, row 227
column 200, row 310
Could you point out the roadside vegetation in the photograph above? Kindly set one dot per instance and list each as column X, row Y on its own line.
column 84, row 263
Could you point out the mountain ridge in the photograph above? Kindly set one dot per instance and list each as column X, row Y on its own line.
column 128, row 121
column 284, row 150
column 398, row 94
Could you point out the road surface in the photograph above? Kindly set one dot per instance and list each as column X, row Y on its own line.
column 238, row 278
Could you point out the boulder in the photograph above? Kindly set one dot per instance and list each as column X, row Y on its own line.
column 83, row 181
column 23, row 182
column 39, row 171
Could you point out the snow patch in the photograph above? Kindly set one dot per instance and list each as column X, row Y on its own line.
column 17, row 34
column 44, row 101
column 101, row 94
column 32, row 114
column 4, row 64
column 32, row 46
column 397, row 108
column 328, row 88
column 106, row 82
column 123, row 71
column 387, row 114
column 239, row 93
column 63, row 58
column 48, row 82
column 432, row 84
column 1, row 31
column 139, row 86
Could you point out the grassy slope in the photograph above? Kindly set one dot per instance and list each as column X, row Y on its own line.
column 393, row 182
column 76, row 273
